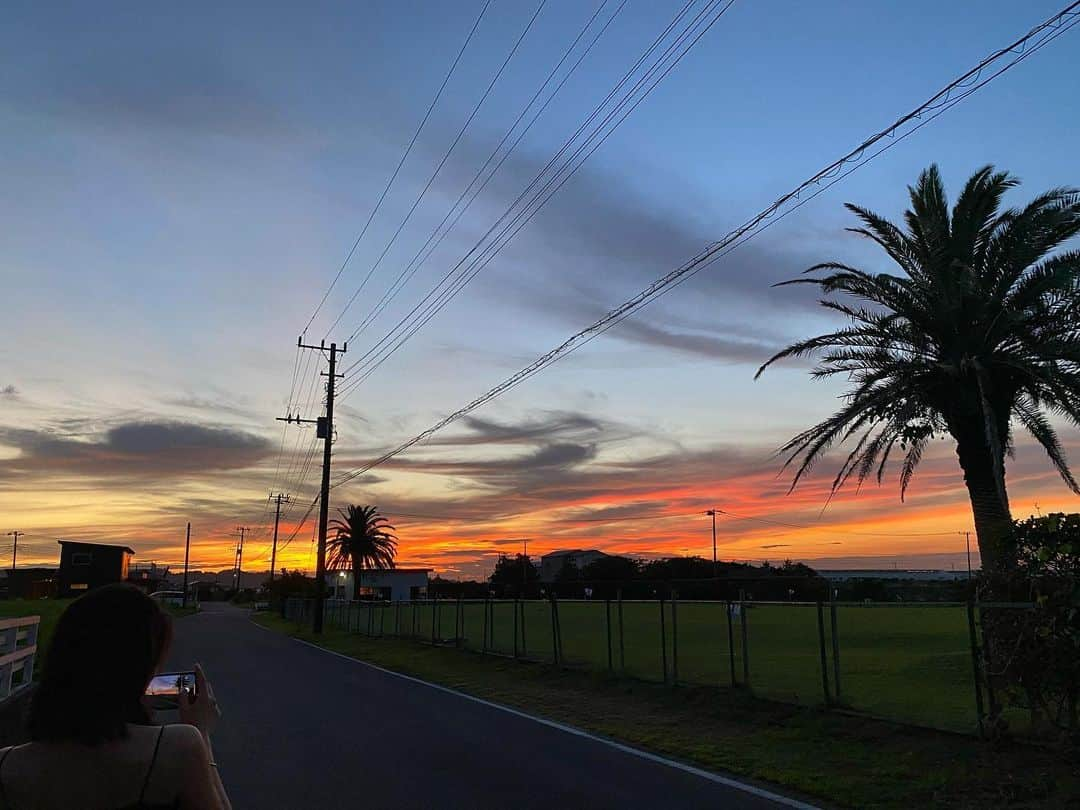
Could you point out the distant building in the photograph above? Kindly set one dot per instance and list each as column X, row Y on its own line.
column 28, row 583
column 393, row 585
column 551, row 564
column 917, row 575
column 84, row 566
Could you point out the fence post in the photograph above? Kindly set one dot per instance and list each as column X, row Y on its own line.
column 607, row 607
column 674, row 638
column 382, row 619
column 434, row 608
column 554, row 633
column 524, row 644
column 370, row 608
column 622, row 645
column 745, row 642
column 976, row 674
column 484, row 645
column 491, row 626
column 835, row 644
column 515, row 627
column 824, row 658
column 459, row 618
column 663, row 639
column 731, row 641
column 558, row 629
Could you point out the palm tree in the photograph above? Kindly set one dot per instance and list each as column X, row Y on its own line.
column 362, row 538
column 981, row 329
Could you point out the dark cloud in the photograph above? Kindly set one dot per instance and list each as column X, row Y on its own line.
column 548, row 427
column 777, row 545
column 154, row 449
column 606, row 236
column 125, row 86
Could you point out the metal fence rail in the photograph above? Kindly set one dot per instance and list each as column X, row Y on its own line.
column 917, row 663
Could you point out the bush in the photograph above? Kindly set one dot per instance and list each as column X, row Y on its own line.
column 1039, row 649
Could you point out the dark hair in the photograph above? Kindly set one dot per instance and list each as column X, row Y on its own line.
column 106, row 647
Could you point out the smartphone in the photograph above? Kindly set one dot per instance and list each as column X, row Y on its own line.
column 169, row 684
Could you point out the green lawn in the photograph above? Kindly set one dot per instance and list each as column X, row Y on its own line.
column 845, row 760
column 48, row 609
column 910, row 663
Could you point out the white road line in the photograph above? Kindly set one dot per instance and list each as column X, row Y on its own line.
column 753, row 790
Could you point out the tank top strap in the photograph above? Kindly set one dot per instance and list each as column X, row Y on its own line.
column 150, row 770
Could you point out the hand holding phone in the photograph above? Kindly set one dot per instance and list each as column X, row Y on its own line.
column 199, row 707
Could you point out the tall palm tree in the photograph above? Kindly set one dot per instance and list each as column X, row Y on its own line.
column 981, row 329
column 362, row 539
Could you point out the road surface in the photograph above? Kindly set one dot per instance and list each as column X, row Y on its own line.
column 304, row 728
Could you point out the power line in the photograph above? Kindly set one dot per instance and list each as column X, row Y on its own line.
column 487, row 251
column 400, row 163
column 937, row 104
column 435, row 238
column 438, row 168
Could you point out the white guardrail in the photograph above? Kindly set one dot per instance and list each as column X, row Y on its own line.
column 18, row 649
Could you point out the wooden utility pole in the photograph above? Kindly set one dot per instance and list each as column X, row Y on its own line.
column 239, row 557
column 325, row 431
column 712, row 512
column 279, row 499
column 15, row 548
column 187, row 554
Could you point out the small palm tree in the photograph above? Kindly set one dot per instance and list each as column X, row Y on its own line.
column 362, row 539
column 981, row 328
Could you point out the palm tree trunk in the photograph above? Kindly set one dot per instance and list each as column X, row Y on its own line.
column 985, row 482
column 989, row 504
column 357, row 569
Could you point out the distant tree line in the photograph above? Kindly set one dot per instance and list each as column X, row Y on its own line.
column 516, row 576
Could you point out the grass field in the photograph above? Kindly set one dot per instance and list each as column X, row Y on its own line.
column 910, row 663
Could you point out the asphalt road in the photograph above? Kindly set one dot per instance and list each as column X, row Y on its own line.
column 304, row 728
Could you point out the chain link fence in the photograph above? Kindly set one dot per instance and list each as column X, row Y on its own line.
column 913, row 663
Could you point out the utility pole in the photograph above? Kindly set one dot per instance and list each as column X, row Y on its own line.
column 279, row 499
column 525, row 567
column 187, row 554
column 712, row 513
column 324, row 431
column 967, row 542
column 15, row 550
column 239, row 557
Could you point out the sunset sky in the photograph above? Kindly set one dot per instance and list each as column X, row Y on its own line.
column 181, row 185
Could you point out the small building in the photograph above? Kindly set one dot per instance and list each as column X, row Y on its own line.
column 84, row 566
column 551, row 564
column 28, row 583
column 392, row 585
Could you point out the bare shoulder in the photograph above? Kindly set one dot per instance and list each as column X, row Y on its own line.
column 185, row 742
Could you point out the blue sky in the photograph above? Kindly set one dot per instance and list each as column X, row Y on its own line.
column 181, row 185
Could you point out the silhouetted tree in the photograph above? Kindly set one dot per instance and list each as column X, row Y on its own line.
column 611, row 568
column 362, row 539
column 977, row 330
column 515, row 574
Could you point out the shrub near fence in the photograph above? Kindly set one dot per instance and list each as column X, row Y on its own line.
column 910, row 663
